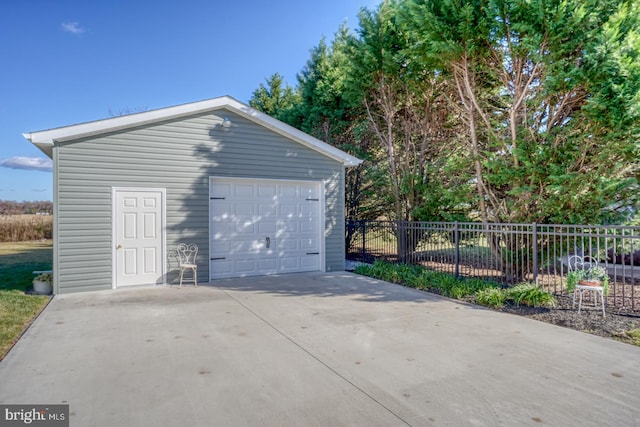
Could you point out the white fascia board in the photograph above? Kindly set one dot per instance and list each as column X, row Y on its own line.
column 66, row 133
column 44, row 139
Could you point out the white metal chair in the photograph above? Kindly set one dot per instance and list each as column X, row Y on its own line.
column 577, row 262
column 187, row 255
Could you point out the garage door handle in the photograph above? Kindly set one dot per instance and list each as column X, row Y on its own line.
column 268, row 240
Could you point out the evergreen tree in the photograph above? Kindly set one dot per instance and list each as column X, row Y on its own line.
column 548, row 91
column 276, row 99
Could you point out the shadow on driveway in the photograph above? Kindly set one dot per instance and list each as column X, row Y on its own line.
column 315, row 350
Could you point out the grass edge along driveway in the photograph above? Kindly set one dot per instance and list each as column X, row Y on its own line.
column 18, row 309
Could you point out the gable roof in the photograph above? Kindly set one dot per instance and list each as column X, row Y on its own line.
column 45, row 139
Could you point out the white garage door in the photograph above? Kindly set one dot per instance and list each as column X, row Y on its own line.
column 260, row 227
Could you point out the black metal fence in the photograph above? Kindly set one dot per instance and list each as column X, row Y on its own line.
column 506, row 253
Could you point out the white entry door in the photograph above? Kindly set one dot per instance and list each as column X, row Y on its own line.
column 138, row 236
column 260, row 227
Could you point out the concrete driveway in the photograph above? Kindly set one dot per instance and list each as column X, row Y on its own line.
column 313, row 350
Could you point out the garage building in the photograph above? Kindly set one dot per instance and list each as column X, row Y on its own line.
column 256, row 195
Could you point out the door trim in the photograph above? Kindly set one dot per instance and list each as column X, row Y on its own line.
column 323, row 222
column 163, row 228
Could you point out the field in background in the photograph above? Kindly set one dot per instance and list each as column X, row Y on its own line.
column 17, row 309
column 22, row 228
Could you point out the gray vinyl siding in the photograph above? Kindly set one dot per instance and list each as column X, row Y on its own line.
column 179, row 156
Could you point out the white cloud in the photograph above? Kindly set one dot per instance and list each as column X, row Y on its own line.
column 28, row 163
column 72, row 27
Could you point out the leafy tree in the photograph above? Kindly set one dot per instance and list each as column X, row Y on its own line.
column 407, row 115
column 548, row 92
column 327, row 112
column 501, row 110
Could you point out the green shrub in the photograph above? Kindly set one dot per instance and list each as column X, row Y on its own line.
column 418, row 281
column 486, row 293
column 364, row 270
column 531, row 295
column 597, row 273
column 460, row 290
column 491, row 297
column 416, row 276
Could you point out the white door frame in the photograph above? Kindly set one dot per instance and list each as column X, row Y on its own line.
column 323, row 224
column 163, row 228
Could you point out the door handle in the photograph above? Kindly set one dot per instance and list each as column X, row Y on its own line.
column 119, row 247
column 268, row 240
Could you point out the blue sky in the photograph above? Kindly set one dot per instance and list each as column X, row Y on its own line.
column 67, row 62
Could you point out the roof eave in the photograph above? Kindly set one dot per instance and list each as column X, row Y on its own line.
column 45, row 146
column 45, row 139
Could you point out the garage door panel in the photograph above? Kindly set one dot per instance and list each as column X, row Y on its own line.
column 309, row 192
column 220, row 209
column 309, row 227
column 267, row 191
column 245, row 266
column 288, row 210
column 221, row 230
column 220, row 247
column 264, row 227
column 310, row 263
column 222, row 266
column 267, row 210
column 309, row 244
column 289, row 192
column 245, row 209
column 241, row 190
column 288, row 245
column 267, row 226
column 245, row 227
column 247, row 246
column 309, row 210
column 288, row 226
column 268, row 265
column 218, row 189
column 289, row 263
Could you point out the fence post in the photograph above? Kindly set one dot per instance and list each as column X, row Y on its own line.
column 535, row 253
column 364, row 242
column 456, row 239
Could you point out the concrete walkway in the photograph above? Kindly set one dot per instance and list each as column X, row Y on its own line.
column 313, row 350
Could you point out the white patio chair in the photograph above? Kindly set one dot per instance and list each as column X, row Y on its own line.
column 187, row 261
column 577, row 262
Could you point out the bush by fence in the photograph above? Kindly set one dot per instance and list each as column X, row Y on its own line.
column 505, row 253
column 22, row 228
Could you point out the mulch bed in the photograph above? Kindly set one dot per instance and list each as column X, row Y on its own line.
column 589, row 320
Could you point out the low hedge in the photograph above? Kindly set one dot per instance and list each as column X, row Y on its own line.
column 481, row 291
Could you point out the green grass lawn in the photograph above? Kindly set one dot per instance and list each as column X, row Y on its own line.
column 17, row 309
